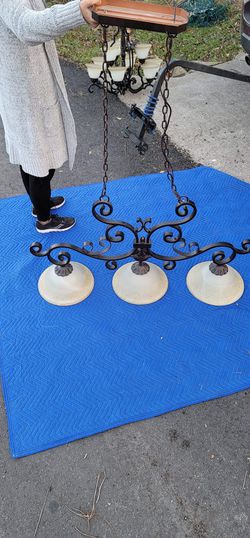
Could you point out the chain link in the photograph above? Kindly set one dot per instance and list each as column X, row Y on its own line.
column 167, row 113
column 105, row 112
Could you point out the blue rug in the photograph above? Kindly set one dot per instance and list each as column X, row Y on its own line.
column 68, row 373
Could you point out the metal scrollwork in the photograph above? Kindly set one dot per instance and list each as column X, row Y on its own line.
column 141, row 251
column 219, row 257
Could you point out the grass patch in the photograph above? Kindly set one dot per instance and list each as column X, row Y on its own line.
column 217, row 43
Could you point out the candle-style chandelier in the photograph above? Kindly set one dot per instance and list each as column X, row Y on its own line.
column 129, row 67
column 142, row 282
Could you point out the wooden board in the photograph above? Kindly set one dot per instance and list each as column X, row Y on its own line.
column 144, row 16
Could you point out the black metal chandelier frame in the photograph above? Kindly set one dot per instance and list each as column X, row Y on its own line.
column 133, row 80
column 143, row 233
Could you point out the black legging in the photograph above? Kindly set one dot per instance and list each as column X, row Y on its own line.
column 39, row 191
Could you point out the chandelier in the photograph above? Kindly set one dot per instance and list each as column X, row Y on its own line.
column 129, row 65
column 213, row 282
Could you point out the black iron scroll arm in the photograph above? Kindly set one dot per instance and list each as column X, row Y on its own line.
column 141, row 250
column 116, row 232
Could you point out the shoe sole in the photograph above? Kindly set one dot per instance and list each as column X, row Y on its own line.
column 52, row 208
column 55, row 229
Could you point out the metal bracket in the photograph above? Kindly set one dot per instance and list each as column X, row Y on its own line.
column 148, row 125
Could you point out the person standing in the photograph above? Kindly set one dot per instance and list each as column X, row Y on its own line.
column 39, row 127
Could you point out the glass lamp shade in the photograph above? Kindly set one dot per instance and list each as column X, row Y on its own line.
column 98, row 60
column 152, row 61
column 142, row 50
column 116, row 45
column 118, row 73
column 94, row 71
column 140, row 289
column 216, row 290
column 150, row 71
column 112, row 54
column 66, row 290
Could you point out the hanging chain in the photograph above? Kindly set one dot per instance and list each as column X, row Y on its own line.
column 105, row 112
column 166, row 113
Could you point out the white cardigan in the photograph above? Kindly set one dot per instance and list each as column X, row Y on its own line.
column 38, row 123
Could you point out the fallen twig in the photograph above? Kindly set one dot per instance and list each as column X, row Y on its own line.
column 42, row 510
column 245, row 479
column 88, row 516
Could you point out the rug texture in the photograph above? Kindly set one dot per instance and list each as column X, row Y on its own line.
column 72, row 372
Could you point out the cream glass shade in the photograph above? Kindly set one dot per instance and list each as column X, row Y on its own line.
column 98, row 60
column 66, row 290
column 112, row 54
column 94, row 70
column 117, row 73
column 142, row 50
column 150, row 71
column 216, row 290
column 153, row 61
column 140, row 289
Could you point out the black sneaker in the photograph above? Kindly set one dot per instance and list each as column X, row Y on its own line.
column 56, row 224
column 55, row 203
